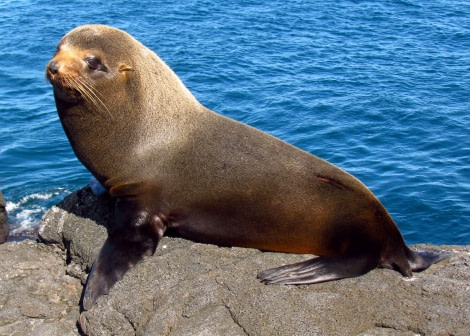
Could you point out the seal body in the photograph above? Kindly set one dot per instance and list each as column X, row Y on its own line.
column 174, row 165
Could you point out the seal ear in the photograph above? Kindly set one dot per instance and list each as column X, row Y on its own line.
column 124, row 67
column 125, row 70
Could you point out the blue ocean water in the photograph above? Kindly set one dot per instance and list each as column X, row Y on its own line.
column 381, row 89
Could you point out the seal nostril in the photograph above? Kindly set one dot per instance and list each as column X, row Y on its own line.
column 53, row 67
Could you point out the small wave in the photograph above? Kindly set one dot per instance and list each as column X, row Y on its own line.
column 26, row 219
column 13, row 206
column 25, row 213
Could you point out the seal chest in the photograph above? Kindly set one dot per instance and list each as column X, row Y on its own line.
column 172, row 163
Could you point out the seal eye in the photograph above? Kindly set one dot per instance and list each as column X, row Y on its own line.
column 94, row 63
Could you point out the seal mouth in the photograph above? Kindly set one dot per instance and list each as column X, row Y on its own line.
column 64, row 88
column 66, row 94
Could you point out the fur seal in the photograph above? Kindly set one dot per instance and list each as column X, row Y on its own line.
column 173, row 164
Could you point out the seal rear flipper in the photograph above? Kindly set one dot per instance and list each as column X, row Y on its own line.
column 421, row 259
column 319, row 269
column 115, row 258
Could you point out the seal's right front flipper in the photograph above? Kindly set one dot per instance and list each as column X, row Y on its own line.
column 134, row 236
column 116, row 257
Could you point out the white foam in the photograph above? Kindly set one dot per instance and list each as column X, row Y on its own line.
column 26, row 219
column 24, row 214
column 10, row 206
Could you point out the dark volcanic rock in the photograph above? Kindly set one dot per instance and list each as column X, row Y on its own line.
column 4, row 229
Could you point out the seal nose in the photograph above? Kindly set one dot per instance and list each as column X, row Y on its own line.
column 53, row 67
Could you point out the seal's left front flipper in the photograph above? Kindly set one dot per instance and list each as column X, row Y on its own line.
column 134, row 237
column 319, row 269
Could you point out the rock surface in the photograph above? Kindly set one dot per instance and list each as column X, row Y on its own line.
column 36, row 296
column 188, row 288
column 4, row 229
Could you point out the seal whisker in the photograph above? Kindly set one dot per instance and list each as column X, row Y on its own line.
column 77, row 85
column 84, row 90
column 92, row 93
column 67, row 82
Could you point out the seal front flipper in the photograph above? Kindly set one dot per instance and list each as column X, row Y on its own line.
column 115, row 258
column 134, row 237
column 319, row 269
